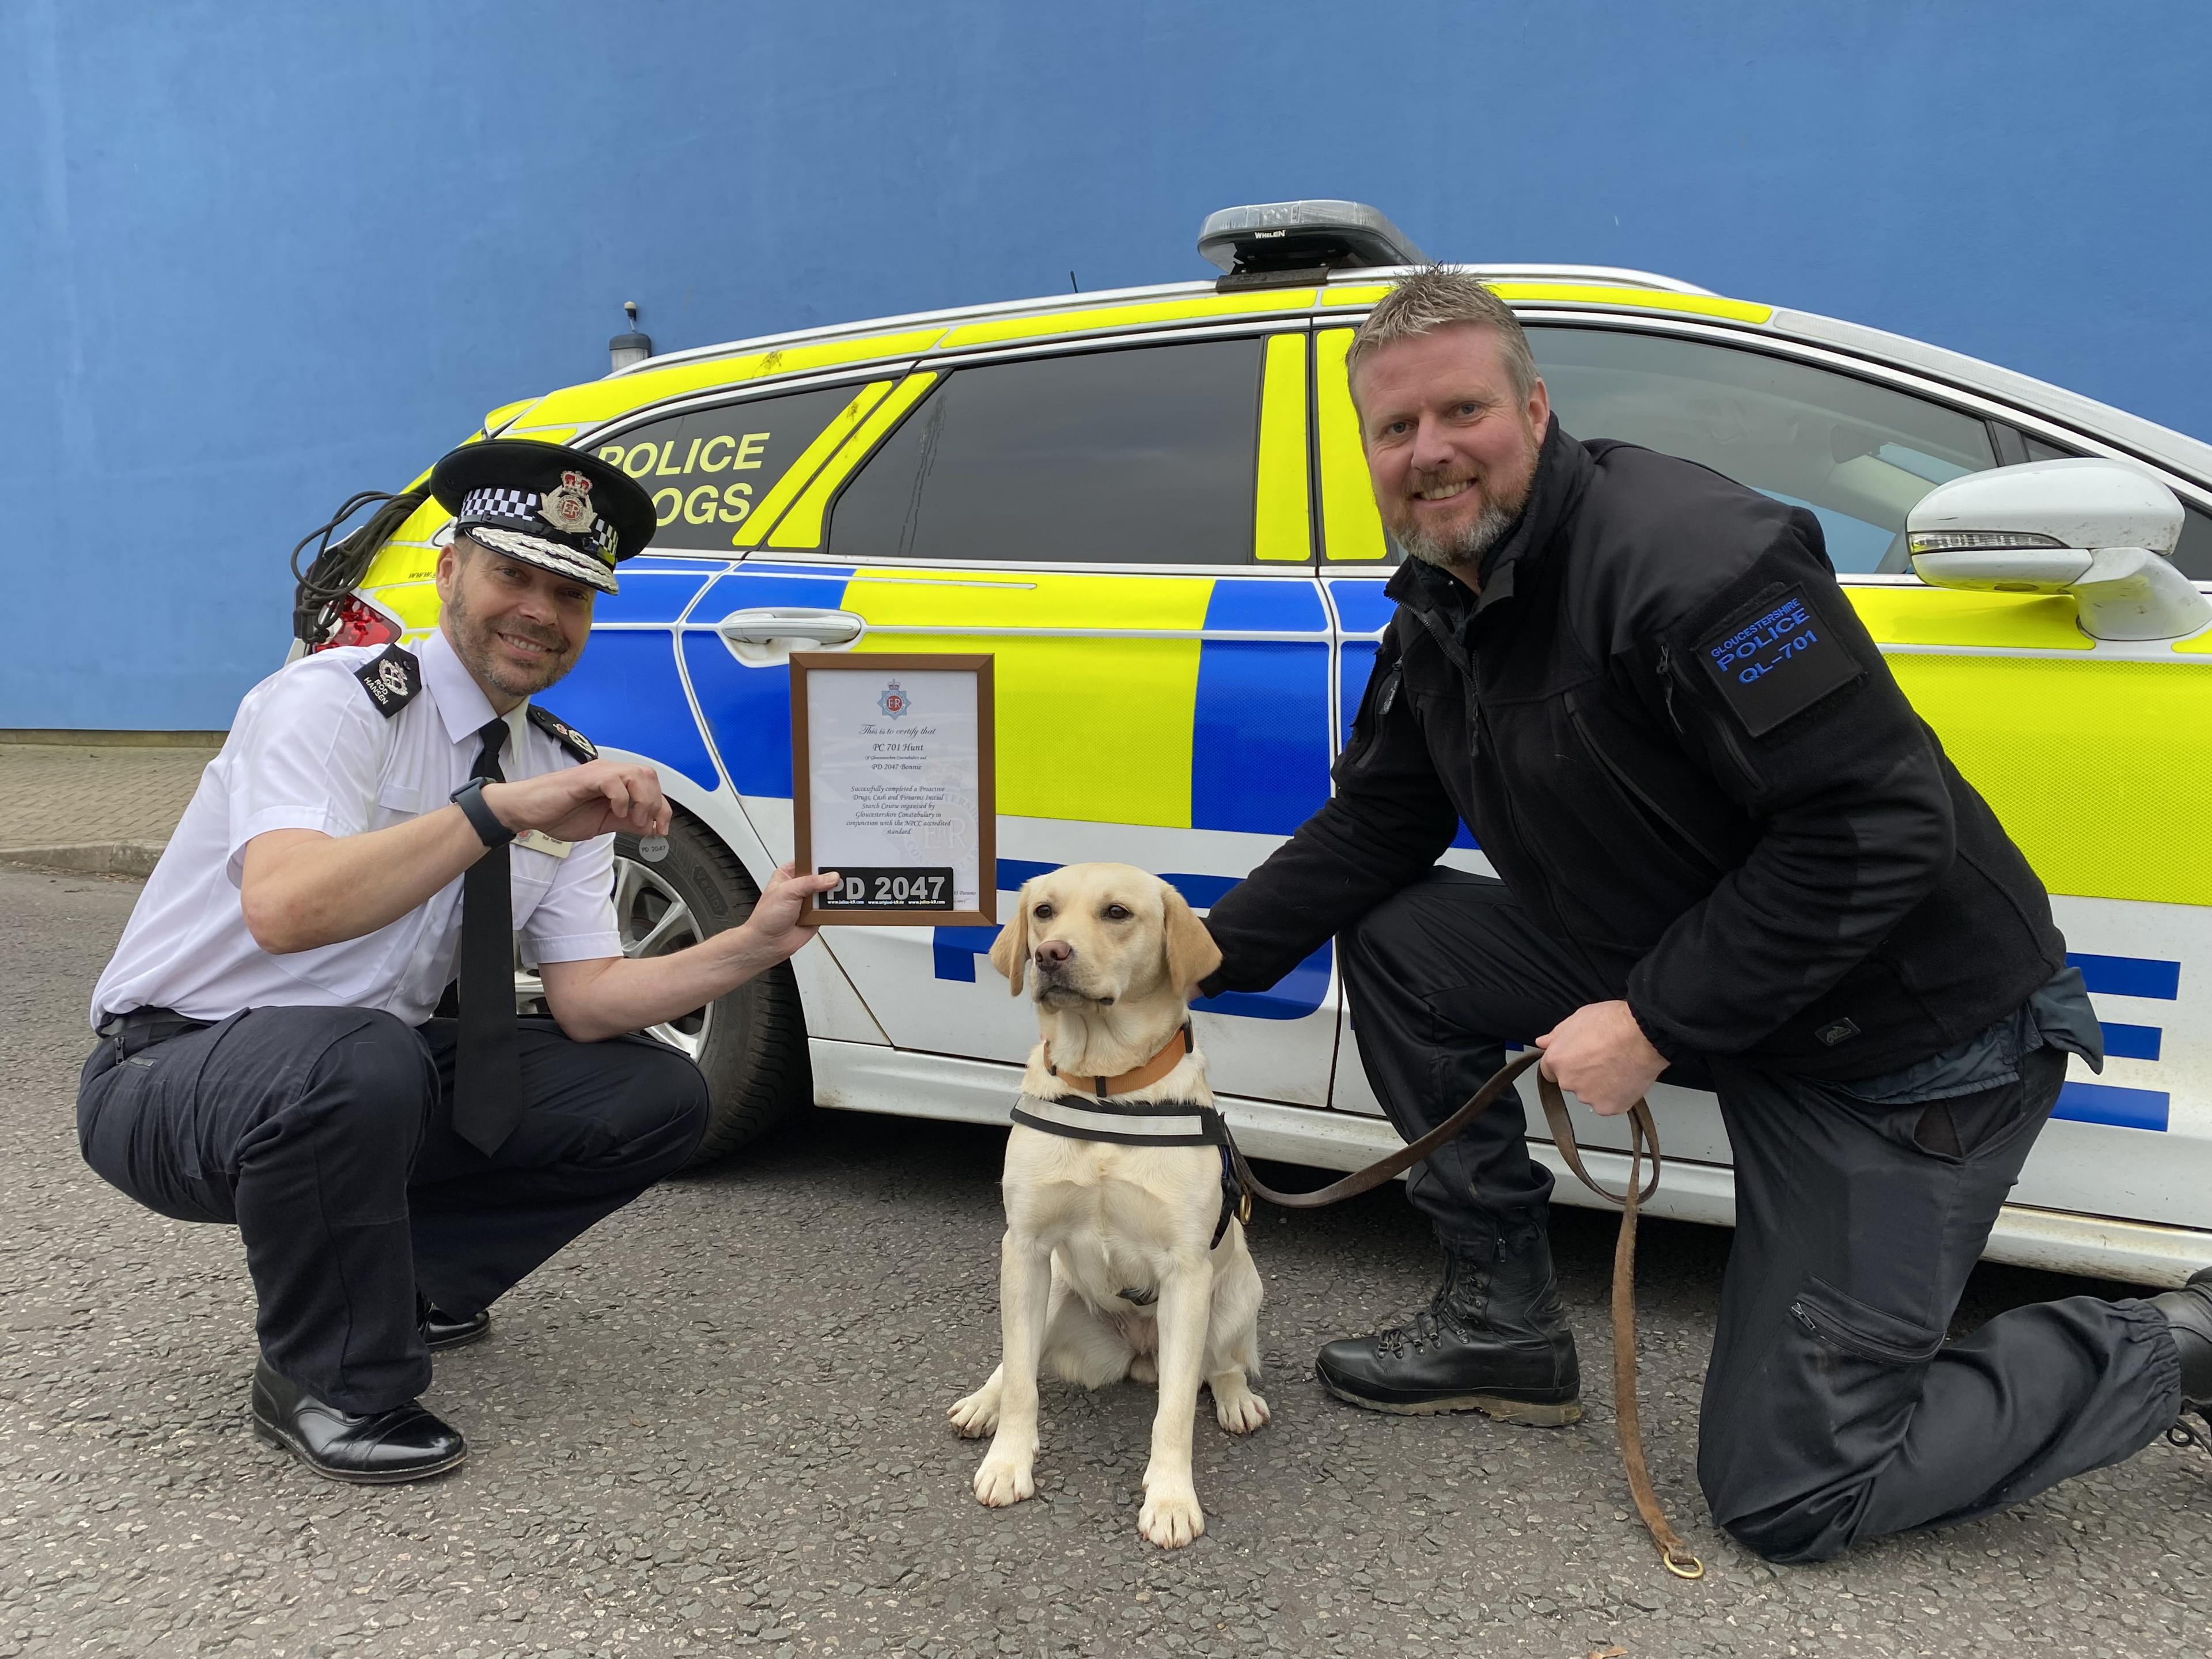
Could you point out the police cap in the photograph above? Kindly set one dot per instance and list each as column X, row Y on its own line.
column 547, row 505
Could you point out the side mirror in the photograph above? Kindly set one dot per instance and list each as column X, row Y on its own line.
column 2097, row 530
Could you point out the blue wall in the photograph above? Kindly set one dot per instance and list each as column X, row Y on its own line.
column 257, row 255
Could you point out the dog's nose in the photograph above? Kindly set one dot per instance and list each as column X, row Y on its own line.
column 1054, row 953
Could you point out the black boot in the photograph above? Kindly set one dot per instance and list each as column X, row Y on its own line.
column 442, row 1331
column 379, row 1448
column 1494, row 1339
column 2189, row 1316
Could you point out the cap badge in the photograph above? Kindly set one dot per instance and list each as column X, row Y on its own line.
column 568, row 507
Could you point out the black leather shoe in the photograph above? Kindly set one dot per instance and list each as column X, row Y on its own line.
column 382, row 1448
column 1493, row 1340
column 442, row 1330
column 2189, row 1315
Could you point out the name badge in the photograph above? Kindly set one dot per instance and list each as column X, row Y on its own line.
column 539, row 841
column 1775, row 658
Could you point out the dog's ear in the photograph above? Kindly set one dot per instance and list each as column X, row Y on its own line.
column 1010, row 951
column 1192, row 953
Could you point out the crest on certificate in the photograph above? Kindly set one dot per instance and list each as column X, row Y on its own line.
column 895, row 701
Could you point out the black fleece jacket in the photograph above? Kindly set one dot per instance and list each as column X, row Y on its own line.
column 1675, row 742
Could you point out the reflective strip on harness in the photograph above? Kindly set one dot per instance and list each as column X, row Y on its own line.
column 1157, row 1123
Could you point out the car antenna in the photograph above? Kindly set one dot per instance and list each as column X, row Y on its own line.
column 1071, row 288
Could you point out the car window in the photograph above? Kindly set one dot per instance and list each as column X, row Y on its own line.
column 708, row 468
column 1145, row 454
column 2193, row 553
column 1858, row 455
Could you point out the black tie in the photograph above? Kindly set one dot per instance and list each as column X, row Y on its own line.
column 487, row 1071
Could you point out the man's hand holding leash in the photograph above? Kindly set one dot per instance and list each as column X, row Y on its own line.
column 1600, row 1052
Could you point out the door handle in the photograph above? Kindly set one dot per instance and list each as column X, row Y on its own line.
column 766, row 626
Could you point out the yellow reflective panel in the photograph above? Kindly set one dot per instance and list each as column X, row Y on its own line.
column 1583, row 294
column 602, row 400
column 802, row 526
column 1092, row 728
column 506, row 412
column 415, row 603
column 2196, row 644
column 1082, row 321
column 1945, row 616
column 408, row 557
column 810, row 460
column 2095, row 768
column 1350, row 527
column 1281, row 527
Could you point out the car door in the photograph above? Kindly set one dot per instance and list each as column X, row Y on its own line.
column 1125, row 528
column 2090, row 753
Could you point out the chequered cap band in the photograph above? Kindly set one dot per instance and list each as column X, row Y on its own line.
column 499, row 503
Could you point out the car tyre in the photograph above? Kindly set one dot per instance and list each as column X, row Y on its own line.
column 750, row 1044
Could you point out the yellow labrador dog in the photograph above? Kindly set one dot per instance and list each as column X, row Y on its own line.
column 1121, row 1258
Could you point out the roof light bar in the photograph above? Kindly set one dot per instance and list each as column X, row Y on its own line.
column 1270, row 243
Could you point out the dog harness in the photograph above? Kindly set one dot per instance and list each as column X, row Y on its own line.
column 1142, row 1123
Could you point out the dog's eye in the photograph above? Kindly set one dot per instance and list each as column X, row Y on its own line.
column 1043, row 913
column 1117, row 912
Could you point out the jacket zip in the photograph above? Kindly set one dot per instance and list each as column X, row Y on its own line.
column 1629, row 787
column 1668, row 675
column 1667, row 685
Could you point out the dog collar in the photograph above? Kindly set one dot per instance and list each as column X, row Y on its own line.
column 1142, row 1077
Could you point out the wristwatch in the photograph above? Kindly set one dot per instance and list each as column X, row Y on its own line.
column 469, row 799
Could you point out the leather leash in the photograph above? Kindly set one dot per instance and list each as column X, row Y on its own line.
column 1673, row 1553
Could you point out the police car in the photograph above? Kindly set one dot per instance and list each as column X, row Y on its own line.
column 1151, row 507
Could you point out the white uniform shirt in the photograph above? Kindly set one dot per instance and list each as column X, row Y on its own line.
column 311, row 750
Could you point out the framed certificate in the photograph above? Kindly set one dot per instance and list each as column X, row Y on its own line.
column 893, row 786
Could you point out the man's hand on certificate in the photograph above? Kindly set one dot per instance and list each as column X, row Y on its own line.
column 1600, row 1052
column 783, row 919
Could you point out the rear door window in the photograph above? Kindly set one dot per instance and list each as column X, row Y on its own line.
column 707, row 468
column 1143, row 455
column 1858, row 456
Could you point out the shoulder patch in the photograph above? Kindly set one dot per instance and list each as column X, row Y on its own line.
column 1776, row 657
column 393, row 680
column 563, row 733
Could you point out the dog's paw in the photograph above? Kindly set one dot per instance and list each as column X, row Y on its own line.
column 977, row 1415
column 1145, row 1371
column 1239, row 1410
column 1171, row 1516
column 1001, row 1481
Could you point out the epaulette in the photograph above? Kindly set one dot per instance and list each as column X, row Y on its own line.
column 563, row 733
column 393, row 680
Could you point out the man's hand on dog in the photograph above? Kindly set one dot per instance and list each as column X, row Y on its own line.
column 1600, row 1052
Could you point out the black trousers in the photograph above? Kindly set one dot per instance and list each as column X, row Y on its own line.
column 1833, row 1411
column 323, row 1133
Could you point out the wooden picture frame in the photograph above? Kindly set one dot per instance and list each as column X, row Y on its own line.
column 840, row 907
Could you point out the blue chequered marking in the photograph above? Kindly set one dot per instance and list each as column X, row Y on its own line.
column 2131, row 1041
column 2128, row 977
column 1259, row 750
column 2119, row 1108
column 1355, row 662
column 1361, row 605
column 624, row 693
column 1285, row 604
column 1260, row 726
column 748, row 710
column 652, row 595
column 953, row 950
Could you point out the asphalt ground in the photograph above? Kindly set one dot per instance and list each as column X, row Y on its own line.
column 716, row 1425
